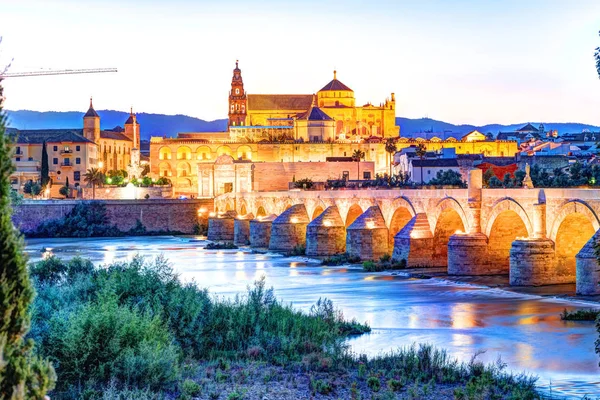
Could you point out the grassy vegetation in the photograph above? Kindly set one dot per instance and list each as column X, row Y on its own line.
column 133, row 330
column 340, row 259
column 220, row 246
column 580, row 315
column 386, row 262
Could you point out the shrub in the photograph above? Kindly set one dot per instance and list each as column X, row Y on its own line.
column 305, row 183
column 370, row 266
column 147, row 196
column 340, row 259
column 221, row 246
column 64, row 191
column 385, row 258
column 298, row 250
column 190, row 388
column 200, row 228
column 580, row 315
column 84, row 220
column 373, row 383
column 394, row 385
column 321, row 386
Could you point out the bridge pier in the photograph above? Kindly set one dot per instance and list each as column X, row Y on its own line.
column 289, row 229
column 221, row 227
column 532, row 262
column 368, row 236
column 326, row 234
column 468, row 255
column 241, row 230
column 414, row 243
column 260, row 231
column 588, row 271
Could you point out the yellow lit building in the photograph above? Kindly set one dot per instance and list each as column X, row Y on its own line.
column 298, row 128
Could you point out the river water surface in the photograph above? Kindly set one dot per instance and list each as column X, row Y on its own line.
column 524, row 330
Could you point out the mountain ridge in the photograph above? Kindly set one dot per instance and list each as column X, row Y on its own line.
column 152, row 124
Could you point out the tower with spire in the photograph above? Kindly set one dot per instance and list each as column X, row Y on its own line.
column 237, row 99
column 132, row 129
column 91, row 124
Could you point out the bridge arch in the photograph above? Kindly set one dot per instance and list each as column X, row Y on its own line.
column 574, row 225
column 354, row 212
column 402, row 211
column 260, row 212
column 449, row 219
column 243, row 207
column 508, row 204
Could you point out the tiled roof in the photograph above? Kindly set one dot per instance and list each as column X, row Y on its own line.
column 315, row 114
column 91, row 112
column 528, row 128
column 438, row 162
column 335, row 85
column 113, row 135
column 292, row 102
column 38, row 136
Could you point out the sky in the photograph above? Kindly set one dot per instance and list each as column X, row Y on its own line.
column 460, row 61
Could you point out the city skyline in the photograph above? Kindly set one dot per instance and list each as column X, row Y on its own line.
column 461, row 63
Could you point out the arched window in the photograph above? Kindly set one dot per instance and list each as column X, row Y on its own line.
column 237, row 91
column 243, row 108
column 232, row 108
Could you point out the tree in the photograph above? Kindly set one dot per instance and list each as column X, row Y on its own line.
column 22, row 374
column 597, row 57
column 487, row 175
column 45, row 177
column 357, row 156
column 391, row 149
column 32, row 188
column 420, row 152
column 93, row 177
column 448, row 178
column 65, row 189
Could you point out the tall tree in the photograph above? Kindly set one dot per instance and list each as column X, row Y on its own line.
column 357, row 156
column 22, row 374
column 421, row 151
column 45, row 175
column 391, row 149
column 93, row 177
column 597, row 57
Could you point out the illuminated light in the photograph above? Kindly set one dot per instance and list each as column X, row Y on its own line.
column 459, row 232
column 109, row 180
column 327, row 223
column 203, row 210
column 239, row 216
column 370, row 224
column 294, row 220
column 294, row 264
column 107, row 190
column 212, row 214
column 100, row 164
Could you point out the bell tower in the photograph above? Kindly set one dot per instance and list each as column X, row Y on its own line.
column 237, row 99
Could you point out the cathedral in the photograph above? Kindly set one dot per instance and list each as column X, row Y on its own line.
column 283, row 130
column 296, row 115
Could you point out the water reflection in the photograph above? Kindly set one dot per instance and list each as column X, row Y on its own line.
column 525, row 331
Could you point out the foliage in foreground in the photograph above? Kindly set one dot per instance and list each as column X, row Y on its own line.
column 135, row 325
column 385, row 262
column 135, row 331
column 221, row 246
column 341, row 259
column 22, row 374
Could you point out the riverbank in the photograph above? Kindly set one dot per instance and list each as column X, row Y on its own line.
column 464, row 319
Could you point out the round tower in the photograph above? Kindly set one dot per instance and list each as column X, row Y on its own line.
column 91, row 124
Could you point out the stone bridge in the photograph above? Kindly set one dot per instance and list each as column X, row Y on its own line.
column 536, row 236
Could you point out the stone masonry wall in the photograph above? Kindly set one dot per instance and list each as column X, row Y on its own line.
column 155, row 215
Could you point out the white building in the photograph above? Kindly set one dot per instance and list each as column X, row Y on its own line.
column 425, row 170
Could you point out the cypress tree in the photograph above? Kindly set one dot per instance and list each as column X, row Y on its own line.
column 22, row 374
column 45, row 168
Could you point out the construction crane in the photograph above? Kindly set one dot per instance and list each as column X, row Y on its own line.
column 57, row 72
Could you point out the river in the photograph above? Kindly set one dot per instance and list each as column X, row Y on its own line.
column 524, row 330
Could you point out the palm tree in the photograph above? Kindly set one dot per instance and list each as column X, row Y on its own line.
column 391, row 149
column 420, row 152
column 357, row 156
column 93, row 177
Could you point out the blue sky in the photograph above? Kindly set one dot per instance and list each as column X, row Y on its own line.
column 460, row 61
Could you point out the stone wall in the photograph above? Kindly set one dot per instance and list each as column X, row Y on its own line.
column 155, row 215
column 122, row 193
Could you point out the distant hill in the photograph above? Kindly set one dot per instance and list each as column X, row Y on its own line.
column 150, row 124
column 412, row 127
column 171, row 125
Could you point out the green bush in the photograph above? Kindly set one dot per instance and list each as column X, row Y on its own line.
column 374, row 383
column 340, row 259
column 221, row 246
column 190, row 388
column 86, row 219
column 298, row 250
column 580, row 315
